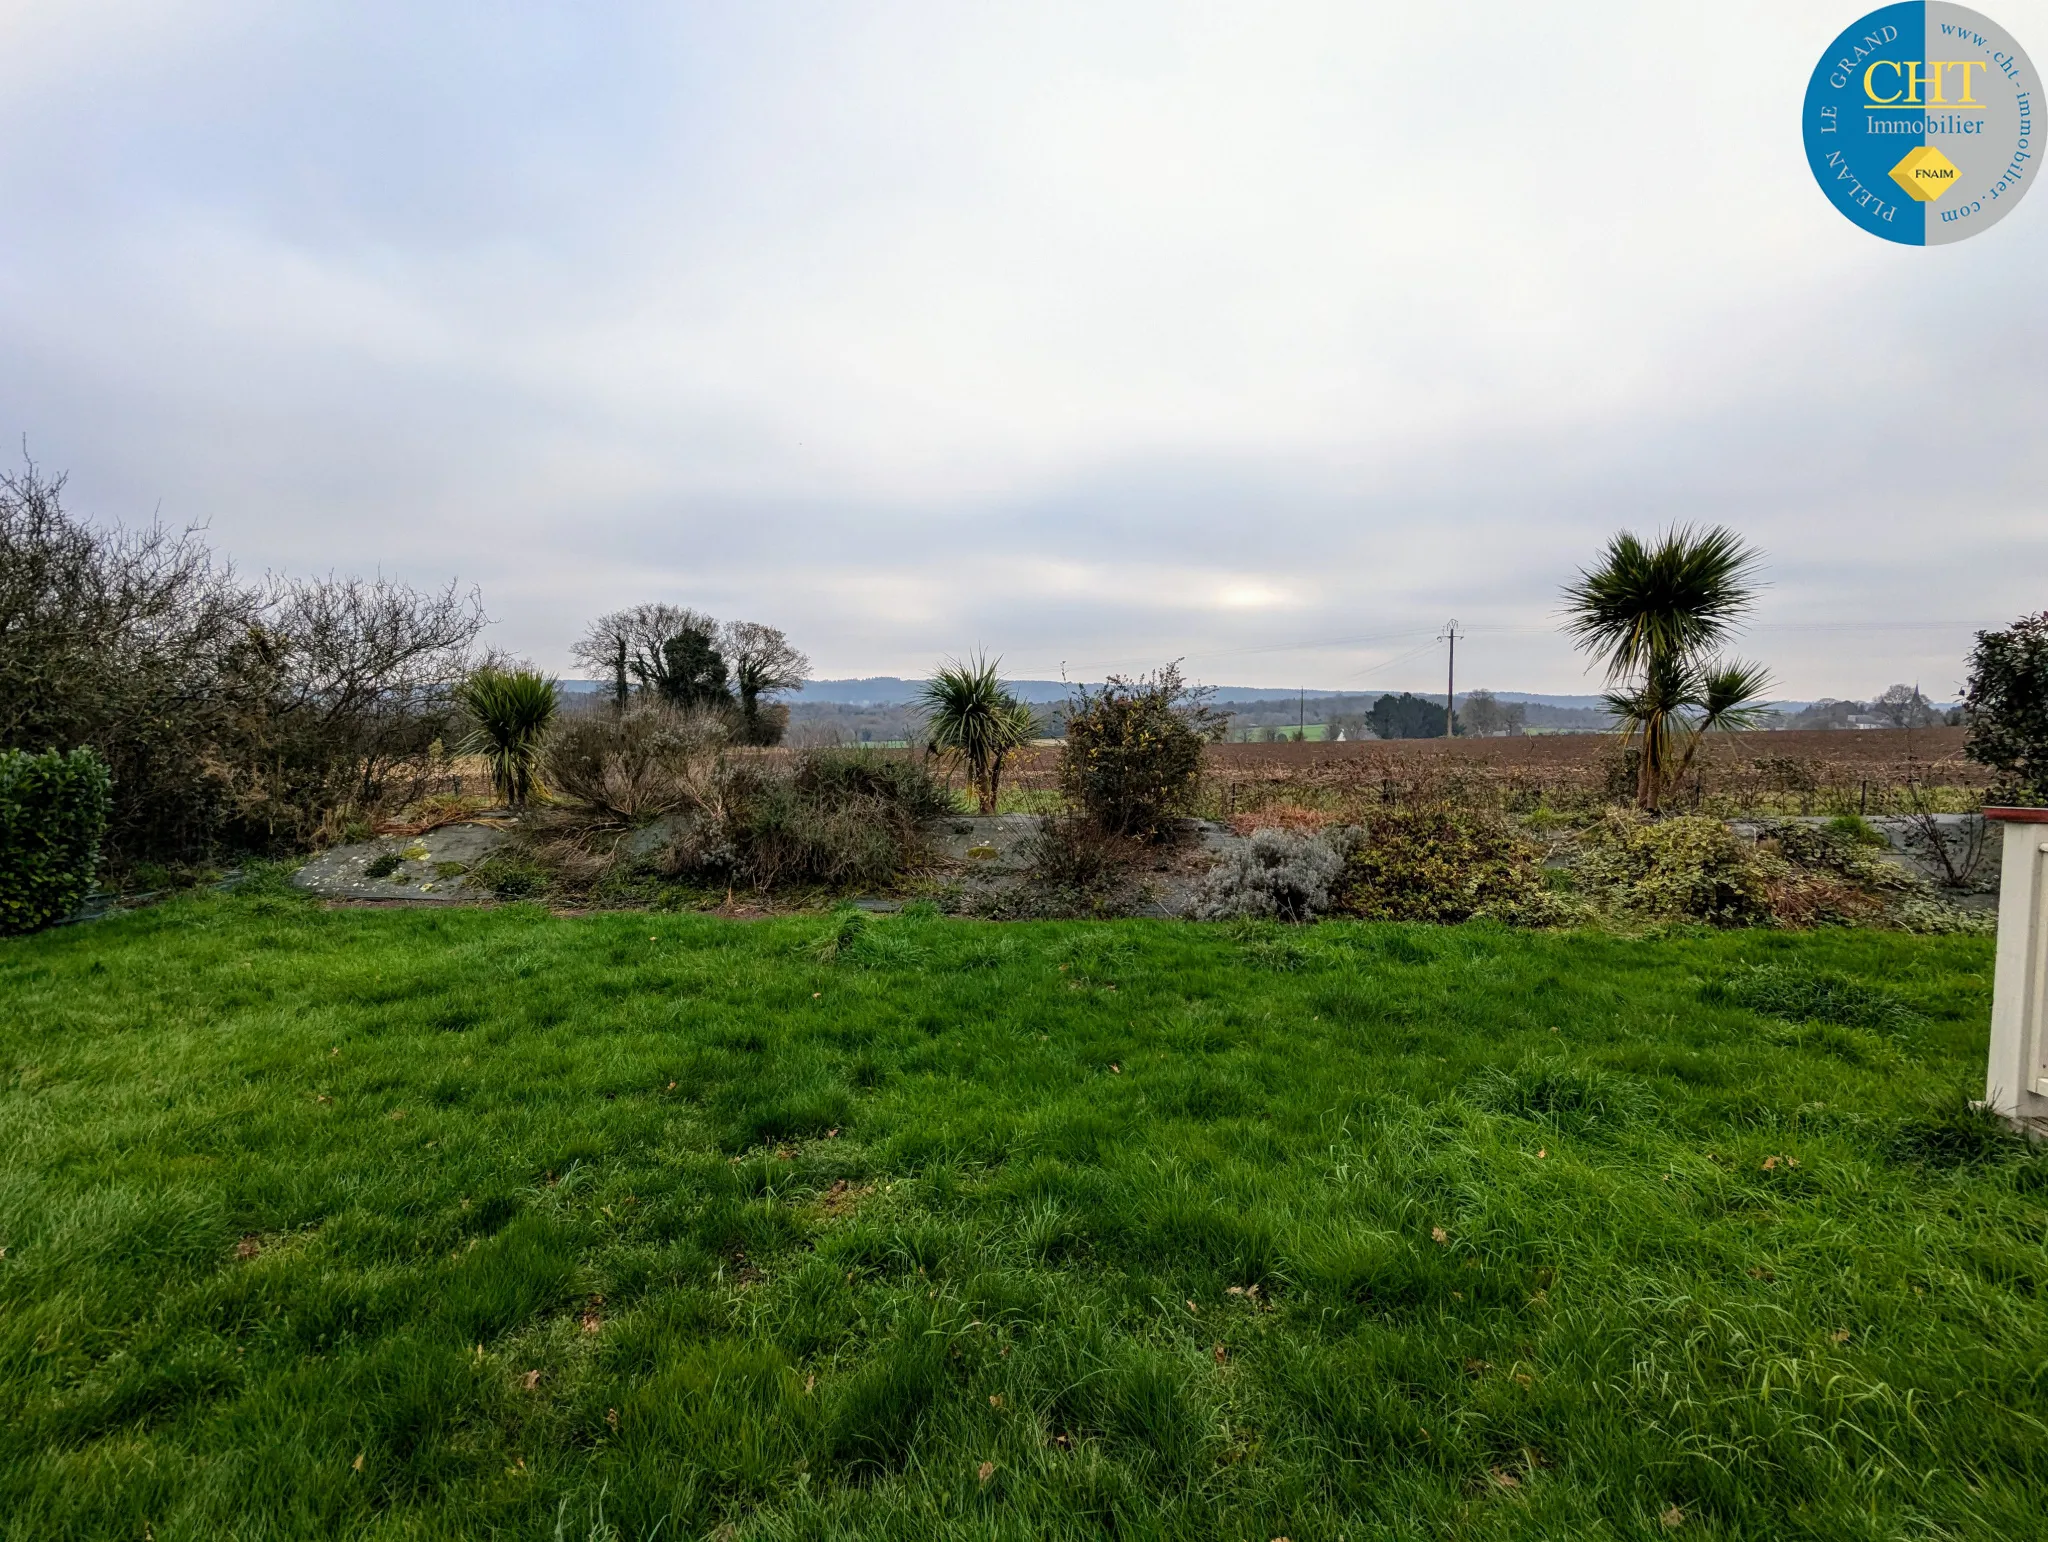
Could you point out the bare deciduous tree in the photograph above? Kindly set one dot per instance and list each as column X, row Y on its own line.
column 630, row 647
column 763, row 661
column 1903, row 706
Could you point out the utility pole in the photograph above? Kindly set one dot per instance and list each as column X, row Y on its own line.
column 1450, row 635
column 1301, row 715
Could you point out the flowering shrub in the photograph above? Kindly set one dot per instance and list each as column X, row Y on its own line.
column 1133, row 755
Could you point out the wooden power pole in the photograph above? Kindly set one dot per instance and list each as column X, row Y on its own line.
column 1450, row 635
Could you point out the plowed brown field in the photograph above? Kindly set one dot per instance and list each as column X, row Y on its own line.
column 1873, row 771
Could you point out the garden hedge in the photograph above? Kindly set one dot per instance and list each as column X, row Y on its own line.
column 53, row 811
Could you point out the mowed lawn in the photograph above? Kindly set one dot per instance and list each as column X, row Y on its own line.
column 491, row 1223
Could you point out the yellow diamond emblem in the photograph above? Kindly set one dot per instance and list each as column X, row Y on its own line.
column 1925, row 173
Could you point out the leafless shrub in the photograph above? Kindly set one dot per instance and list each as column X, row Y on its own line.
column 232, row 715
column 651, row 760
column 1954, row 850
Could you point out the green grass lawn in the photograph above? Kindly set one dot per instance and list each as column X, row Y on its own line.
column 491, row 1223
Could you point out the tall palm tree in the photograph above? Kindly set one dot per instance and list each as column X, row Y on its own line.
column 972, row 715
column 1657, row 613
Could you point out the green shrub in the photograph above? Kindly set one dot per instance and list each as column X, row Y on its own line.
column 1132, row 760
column 1854, row 827
column 2006, row 707
column 53, row 812
column 1933, row 918
column 1440, row 863
column 1689, row 868
column 838, row 817
column 1845, row 846
column 1812, row 996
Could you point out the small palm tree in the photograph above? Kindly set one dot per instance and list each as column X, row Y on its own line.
column 973, row 716
column 510, row 710
column 1657, row 613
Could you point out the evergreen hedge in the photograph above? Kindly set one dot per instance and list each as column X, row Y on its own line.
column 53, row 812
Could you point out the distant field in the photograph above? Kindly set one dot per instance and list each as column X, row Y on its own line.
column 1876, row 749
column 1790, row 772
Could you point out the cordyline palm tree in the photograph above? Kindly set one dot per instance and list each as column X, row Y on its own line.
column 1657, row 614
column 509, row 710
column 973, row 716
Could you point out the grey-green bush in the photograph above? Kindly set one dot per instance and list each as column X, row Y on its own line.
column 53, row 812
column 1277, row 874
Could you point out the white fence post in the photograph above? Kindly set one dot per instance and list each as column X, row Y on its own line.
column 2016, row 1080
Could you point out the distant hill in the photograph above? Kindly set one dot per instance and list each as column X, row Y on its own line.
column 890, row 690
column 894, row 691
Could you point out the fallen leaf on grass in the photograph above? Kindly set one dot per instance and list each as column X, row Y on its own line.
column 532, row 1379
column 995, row 1400
column 248, row 1247
column 1438, row 1235
column 592, row 1323
column 1506, row 1479
column 1840, row 1335
column 611, row 1417
column 1195, row 1309
column 1222, row 1355
column 357, row 1464
column 1115, row 1069
column 1541, row 1154
column 1672, row 1518
column 1770, row 1162
column 986, row 1471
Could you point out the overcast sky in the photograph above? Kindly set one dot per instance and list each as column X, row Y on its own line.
column 1265, row 335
